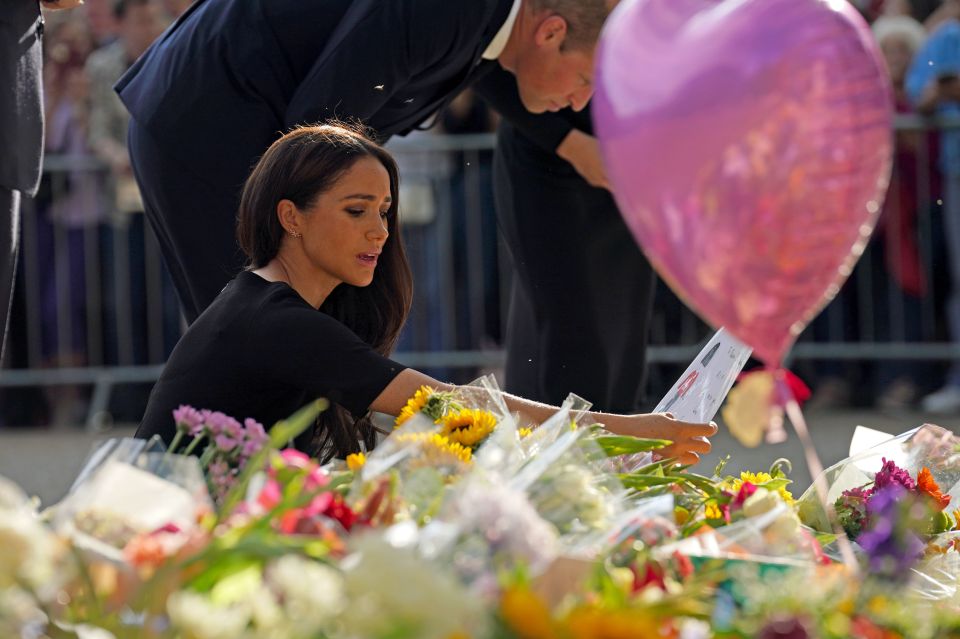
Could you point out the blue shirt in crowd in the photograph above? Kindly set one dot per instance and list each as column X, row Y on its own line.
column 939, row 55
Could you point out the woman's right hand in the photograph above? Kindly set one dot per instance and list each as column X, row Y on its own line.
column 690, row 439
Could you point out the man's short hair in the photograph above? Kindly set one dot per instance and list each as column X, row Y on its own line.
column 584, row 18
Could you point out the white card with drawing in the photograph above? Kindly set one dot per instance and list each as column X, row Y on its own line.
column 697, row 395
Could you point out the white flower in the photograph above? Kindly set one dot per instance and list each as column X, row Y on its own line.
column 390, row 588
column 312, row 593
column 786, row 526
column 197, row 617
column 508, row 525
column 30, row 553
column 18, row 611
column 762, row 501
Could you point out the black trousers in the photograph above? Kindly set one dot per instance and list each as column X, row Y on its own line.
column 9, row 242
column 193, row 218
column 582, row 291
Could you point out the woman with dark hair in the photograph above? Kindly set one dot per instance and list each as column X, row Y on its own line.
column 314, row 221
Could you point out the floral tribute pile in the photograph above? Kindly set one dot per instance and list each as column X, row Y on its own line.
column 466, row 523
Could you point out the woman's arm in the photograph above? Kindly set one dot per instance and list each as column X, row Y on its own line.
column 689, row 439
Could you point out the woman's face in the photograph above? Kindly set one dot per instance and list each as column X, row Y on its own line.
column 345, row 229
column 898, row 54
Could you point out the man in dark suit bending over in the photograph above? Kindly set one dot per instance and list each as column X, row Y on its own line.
column 21, row 127
column 228, row 77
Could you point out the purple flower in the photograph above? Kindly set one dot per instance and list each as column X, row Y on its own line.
column 225, row 443
column 891, row 474
column 784, row 628
column 891, row 543
column 189, row 420
column 220, row 424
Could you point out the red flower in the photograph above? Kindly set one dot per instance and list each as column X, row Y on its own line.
column 653, row 575
column 684, row 565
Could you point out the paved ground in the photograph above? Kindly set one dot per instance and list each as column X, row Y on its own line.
column 44, row 462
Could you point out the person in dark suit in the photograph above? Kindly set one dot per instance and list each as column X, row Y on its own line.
column 583, row 291
column 231, row 75
column 21, row 128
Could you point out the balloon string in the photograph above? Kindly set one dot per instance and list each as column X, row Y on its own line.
column 819, row 480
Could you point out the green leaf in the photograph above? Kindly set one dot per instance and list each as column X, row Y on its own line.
column 642, row 482
column 239, row 586
column 616, row 445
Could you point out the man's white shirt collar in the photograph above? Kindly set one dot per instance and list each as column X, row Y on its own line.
column 499, row 42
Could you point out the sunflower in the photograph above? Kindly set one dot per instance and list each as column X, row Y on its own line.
column 437, row 450
column 414, row 405
column 468, row 427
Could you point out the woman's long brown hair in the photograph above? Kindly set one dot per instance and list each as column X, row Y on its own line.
column 299, row 167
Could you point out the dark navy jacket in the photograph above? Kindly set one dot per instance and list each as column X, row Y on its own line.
column 21, row 108
column 230, row 76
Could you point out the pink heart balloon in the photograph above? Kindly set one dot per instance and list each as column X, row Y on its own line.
column 749, row 144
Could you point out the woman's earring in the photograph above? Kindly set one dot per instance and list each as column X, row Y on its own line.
column 295, row 234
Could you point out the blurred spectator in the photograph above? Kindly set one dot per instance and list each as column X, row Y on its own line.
column 903, row 284
column 101, row 21
column 139, row 23
column 175, row 8
column 933, row 86
column 69, row 207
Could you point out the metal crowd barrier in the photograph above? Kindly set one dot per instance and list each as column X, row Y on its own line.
column 95, row 308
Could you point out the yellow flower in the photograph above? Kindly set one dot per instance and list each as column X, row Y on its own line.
column 757, row 479
column 956, row 518
column 526, row 614
column 437, row 450
column 356, row 461
column 414, row 405
column 712, row 511
column 595, row 623
column 468, row 427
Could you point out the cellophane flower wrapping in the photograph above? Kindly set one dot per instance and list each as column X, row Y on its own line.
column 485, row 528
column 902, row 458
column 105, row 508
column 567, row 482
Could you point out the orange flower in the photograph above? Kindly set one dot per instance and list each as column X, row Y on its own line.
column 926, row 484
column 526, row 614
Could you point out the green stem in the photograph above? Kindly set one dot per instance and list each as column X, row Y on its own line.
column 193, row 445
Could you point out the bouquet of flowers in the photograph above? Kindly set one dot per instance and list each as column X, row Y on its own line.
column 893, row 501
column 437, row 440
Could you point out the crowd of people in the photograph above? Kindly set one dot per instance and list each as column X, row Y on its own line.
column 914, row 259
column 911, row 273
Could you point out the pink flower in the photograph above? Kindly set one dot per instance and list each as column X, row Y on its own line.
column 255, row 438
column 270, row 495
column 295, row 459
column 891, row 474
column 746, row 491
column 189, row 419
column 255, row 430
column 225, row 443
column 316, row 476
